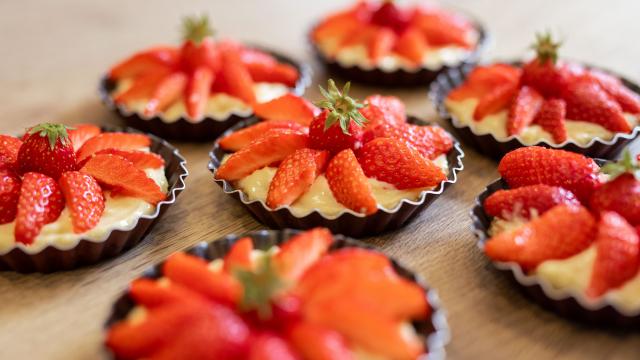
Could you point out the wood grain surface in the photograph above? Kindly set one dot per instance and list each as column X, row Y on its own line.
column 54, row 52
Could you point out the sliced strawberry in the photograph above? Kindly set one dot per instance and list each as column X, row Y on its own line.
column 287, row 107
column 381, row 109
column 559, row 233
column 142, row 87
column 618, row 256
column 147, row 61
column 349, row 184
column 167, row 92
column 84, row 199
column 442, row 28
column 274, row 146
column 412, row 45
column 316, row 342
column 237, row 77
column 389, row 15
column 113, row 140
column 47, row 150
column 521, row 201
column 587, row 101
column 295, row 175
column 336, row 27
column 39, row 204
column 524, row 109
column 334, row 138
column 301, row 252
column 239, row 256
column 360, row 36
column 9, row 194
column 240, row 139
column 199, row 48
column 198, row 90
column 627, row 99
column 9, row 148
column 270, row 346
column 152, row 294
column 536, row 165
column 430, row 141
column 621, row 195
column 277, row 73
column 496, row 99
column 382, row 43
column 552, row 119
column 392, row 161
column 118, row 172
column 482, row 79
column 140, row 159
column 194, row 274
column 80, row 133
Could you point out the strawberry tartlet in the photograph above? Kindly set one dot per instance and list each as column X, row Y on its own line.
column 278, row 295
column 545, row 101
column 567, row 229
column 382, row 43
column 75, row 195
column 197, row 90
column 356, row 168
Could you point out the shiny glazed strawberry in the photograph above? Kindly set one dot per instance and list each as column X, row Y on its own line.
column 47, row 150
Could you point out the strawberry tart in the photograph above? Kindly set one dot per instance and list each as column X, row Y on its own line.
column 200, row 88
column 383, row 43
column 567, row 229
column 545, row 101
column 278, row 295
column 74, row 195
column 357, row 168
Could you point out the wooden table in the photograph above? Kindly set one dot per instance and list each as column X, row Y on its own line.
column 53, row 54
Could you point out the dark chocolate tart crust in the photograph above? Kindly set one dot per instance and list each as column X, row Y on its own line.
column 434, row 331
column 569, row 305
column 488, row 145
column 87, row 252
column 347, row 223
column 183, row 129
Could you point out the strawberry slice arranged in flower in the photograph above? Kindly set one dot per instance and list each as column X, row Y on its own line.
column 524, row 109
column 9, row 148
column 239, row 256
column 621, row 193
column 79, row 134
column 301, row 251
column 140, row 159
column 387, row 110
column 83, row 197
column 522, row 201
column 551, row 117
column 349, row 184
column 430, row 141
column 240, row 139
column 295, row 175
column 9, row 194
column 287, row 107
column 39, row 204
column 112, row 140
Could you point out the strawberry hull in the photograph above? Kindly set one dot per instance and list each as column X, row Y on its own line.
column 184, row 129
column 86, row 252
column 488, row 145
column 563, row 303
column 347, row 223
column 434, row 330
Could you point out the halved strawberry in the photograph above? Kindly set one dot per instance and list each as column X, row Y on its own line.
column 240, row 139
column 412, row 45
column 295, row 175
column 482, row 79
column 552, row 119
column 349, row 184
column 239, row 256
column 274, row 146
column 524, row 109
column 168, row 91
column 146, row 61
column 39, row 204
column 237, row 77
column 391, row 160
column 494, row 100
column 80, row 133
column 140, row 159
column 443, row 28
column 277, row 73
column 337, row 26
column 316, row 342
column 622, row 195
column 287, row 107
column 142, row 87
column 113, row 140
column 381, row 109
column 629, row 101
column 618, row 254
column 151, row 293
column 301, row 252
column 383, row 41
column 9, row 194
column 559, row 233
column 521, row 201
column 271, row 346
column 47, row 150
column 194, row 274
column 430, row 141
column 9, row 148
column 389, row 15
column 118, row 172
column 197, row 92
column 83, row 197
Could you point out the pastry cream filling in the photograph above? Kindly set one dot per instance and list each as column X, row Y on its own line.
column 581, row 132
column 573, row 274
column 319, row 196
column 219, row 106
column 120, row 213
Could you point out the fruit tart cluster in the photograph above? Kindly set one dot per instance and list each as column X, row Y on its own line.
column 201, row 78
column 349, row 155
column 570, row 223
column 59, row 184
column 381, row 34
column 297, row 301
column 546, row 99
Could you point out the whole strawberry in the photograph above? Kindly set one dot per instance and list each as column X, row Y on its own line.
column 339, row 126
column 46, row 149
column 543, row 73
column 621, row 193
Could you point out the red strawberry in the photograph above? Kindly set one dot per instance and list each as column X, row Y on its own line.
column 237, row 77
column 391, row 160
column 349, row 184
column 628, row 100
column 240, row 139
column 536, row 165
column 265, row 68
column 551, row 117
column 295, row 175
column 412, row 45
column 442, row 28
column 520, row 201
column 559, row 233
column 47, row 150
column 197, row 92
column 287, row 107
column 9, row 148
column 381, row 109
column 618, row 257
column 239, row 256
column 431, row 141
column 301, row 252
column 80, row 133
column 142, row 86
column 83, row 197
column 482, row 79
column 198, row 49
column 270, row 346
column 495, row 100
column 383, row 41
column 340, row 25
column 274, row 146
column 168, row 91
column 120, row 173
column 113, row 140
column 389, row 15
column 9, row 194
column 523, row 110
column 316, row 342
column 39, row 204
column 151, row 293
column 140, row 159
column 621, row 193
column 147, row 61
column 587, row 101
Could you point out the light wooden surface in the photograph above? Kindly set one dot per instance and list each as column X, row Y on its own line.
column 53, row 53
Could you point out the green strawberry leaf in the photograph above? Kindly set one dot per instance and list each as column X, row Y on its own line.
column 53, row 133
column 196, row 28
column 260, row 286
column 342, row 108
